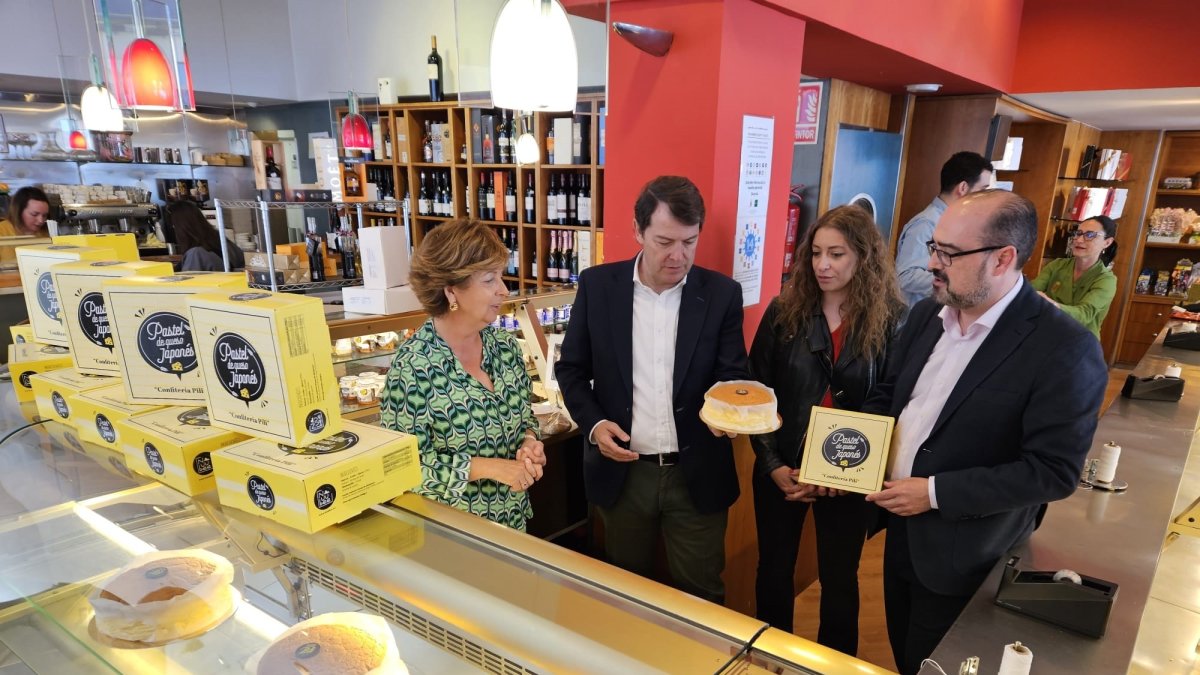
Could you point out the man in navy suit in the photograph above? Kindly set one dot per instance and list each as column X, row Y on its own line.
column 647, row 339
column 996, row 394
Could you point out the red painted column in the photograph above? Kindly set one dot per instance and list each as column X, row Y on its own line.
column 682, row 114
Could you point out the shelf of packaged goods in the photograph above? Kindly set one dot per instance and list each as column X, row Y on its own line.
column 310, row 286
column 564, row 167
column 379, row 162
column 1177, row 193
column 358, row 356
column 385, row 214
column 441, row 219
column 254, row 204
column 437, row 165
column 1157, row 299
column 484, row 166
column 1174, row 246
column 104, row 161
column 577, row 228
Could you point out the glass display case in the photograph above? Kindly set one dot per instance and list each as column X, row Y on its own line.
column 461, row 594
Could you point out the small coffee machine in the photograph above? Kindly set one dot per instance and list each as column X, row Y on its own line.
column 140, row 219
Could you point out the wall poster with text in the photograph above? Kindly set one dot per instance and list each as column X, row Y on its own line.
column 754, row 187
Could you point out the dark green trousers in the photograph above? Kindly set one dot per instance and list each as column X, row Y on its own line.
column 655, row 499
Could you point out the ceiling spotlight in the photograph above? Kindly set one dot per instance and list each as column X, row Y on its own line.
column 927, row 88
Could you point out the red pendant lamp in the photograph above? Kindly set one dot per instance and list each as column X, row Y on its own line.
column 77, row 140
column 148, row 82
column 356, row 133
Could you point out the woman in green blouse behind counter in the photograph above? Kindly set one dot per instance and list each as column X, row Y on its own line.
column 460, row 385
column 1083, row 286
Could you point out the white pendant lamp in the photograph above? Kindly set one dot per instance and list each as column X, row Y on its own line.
column 98, row 107
column 534, row 65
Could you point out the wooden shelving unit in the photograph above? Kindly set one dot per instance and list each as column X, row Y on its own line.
column 407, row 122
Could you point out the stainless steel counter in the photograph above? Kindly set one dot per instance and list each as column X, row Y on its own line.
column 1113, row 536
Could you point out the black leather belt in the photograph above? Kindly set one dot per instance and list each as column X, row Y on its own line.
column 661, row 459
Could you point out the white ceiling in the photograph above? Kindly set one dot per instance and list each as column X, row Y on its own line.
column 1118, row 109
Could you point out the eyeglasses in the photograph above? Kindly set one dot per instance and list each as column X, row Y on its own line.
column 1086, row 234
column 946, row 258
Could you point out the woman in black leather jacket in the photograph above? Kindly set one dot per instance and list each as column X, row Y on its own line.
column 821, row 342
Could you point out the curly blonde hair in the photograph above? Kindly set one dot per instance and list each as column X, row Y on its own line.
column 448, row 255
column 873, row 301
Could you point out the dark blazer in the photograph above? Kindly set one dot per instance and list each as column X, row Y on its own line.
column 595, row 373
column 1012, row 436
column 800, row 369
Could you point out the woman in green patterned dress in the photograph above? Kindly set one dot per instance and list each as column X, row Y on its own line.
column 460, row 385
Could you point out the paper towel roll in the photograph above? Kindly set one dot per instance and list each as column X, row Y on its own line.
column 1017, row 660
column 1106, row 471
column 1173, row 370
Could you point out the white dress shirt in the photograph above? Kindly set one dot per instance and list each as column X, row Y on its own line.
column 945, row 366
column 655, row 326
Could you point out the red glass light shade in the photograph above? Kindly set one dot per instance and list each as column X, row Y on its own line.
column 77, row 141
column 147, row 77
column 356, row 133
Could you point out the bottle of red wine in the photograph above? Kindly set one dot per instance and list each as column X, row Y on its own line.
column 274, row 175
column 530, row 217
column 435, row 72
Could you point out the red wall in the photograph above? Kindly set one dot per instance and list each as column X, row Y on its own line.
column 975, row 39
column 682, row 114
column 1088, row 45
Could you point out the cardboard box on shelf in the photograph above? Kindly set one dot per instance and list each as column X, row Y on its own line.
column 385, row 260
column 174, row 445
column 123, row 244
column 282, row 262
column 155, row 345
column 359, row 300
column 312, row 487
column 266, row 366
column 97, row 412
column 41, row 297
column 27, row 359
column 54, row 390
column 262, row 276
column 85, row 314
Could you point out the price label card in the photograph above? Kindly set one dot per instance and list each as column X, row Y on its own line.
column 846, row 450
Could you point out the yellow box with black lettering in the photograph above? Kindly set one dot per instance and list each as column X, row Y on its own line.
column 84, row 311
column 27, row 359
column 54, row 390
column 174, row 445
column 310, row 488
column 266, row 364
column 153, row 335
column 123, row 244
column 41, row 297
column 21, row 333
column 97, row 412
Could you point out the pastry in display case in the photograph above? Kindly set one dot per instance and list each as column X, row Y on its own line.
column 164, row 596
column 337, row 643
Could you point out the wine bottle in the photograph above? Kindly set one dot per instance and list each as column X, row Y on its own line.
column 551, row 263
column 387, row 143
column 427, row 144
column 348, row 247
column 435, row 72
column 424, row 206
column 530, row 217
column 572, row 259
column 316, row 264
column 561, row 197
column 585, row 203
column 572, row 200
column 552, row 203
column 491, row 200
column 274, row 175
column 489, row 152
column 510, row 200
column 481, row 199
column 514, row 259
column 550, row 144
column 504, row 139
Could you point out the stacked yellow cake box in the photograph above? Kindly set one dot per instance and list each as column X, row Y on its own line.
column 123, row 244
column 84, row 313
column 97, row 413
column 174, row 445
column 153, row 337
column 268, row 375
column 26, row 359
column 55, row 392
column 34, row 263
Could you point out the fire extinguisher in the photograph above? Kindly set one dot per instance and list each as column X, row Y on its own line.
column 795, row 198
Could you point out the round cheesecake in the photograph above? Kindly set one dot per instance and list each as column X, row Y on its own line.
column 741, row 406
column 325, row 649
column 165, row 597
